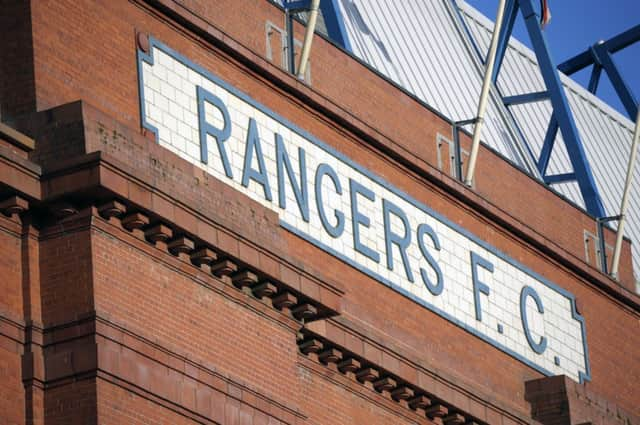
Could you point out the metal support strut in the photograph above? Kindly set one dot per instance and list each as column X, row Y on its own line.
column 562, row 117
column 601, row 222
column 600, row 56
column 457, row 148
column 625, row 198
column 291, row 7
column 484, row 95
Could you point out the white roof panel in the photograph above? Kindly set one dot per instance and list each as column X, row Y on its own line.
column 421, row 46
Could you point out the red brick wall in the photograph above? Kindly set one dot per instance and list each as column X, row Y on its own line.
column 328, row 400
column 183, row 314
column 17, row 91
column 117, row 405
column 158, row 320
column 410, row 131
column 71, row 402
column 66, row 282
column 12, row 396
column 10, row 270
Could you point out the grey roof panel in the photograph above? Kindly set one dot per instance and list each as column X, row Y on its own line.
column 418, row 45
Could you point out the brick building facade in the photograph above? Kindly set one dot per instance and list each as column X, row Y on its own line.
column 139, row 286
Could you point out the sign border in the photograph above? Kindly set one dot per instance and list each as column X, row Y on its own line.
column 147, row 58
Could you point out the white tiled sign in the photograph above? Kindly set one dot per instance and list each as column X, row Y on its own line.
column 344, row 209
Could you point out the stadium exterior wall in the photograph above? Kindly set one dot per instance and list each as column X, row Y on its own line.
column 138, row 288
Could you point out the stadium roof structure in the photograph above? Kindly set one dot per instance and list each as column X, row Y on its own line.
column 435, row 51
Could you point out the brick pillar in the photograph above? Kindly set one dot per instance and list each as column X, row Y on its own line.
column 558, row 400
column 548, row 398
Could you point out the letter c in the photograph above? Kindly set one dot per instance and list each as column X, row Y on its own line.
column 528, row 291
column 321, row 171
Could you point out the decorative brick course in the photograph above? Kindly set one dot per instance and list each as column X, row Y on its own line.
column 136, row 287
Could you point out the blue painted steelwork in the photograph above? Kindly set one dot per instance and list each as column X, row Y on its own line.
column 600, row 56
column 562, row 118
column 525, row 98
column 547, row 146
column 612, row 45
column 297, row 5
column 335, row 24
column 333, row 21
column 561, row 111
column 619, row 84
column 509, row 18
column 595, row 78
column 560, row 178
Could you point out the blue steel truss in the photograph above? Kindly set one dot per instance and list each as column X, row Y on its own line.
column 334, row 23
column 600, row 56
column 561, row 118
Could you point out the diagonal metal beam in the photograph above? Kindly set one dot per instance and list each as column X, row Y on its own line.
column 619, row 84
column 562, row 112
column 510, row 13
column 334, row 23
column 576, row 63
column 600, row 56
column 622, row 40
column 584, row 59
column 547, row 146
column 595, row 78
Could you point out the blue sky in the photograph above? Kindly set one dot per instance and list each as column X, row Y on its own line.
column 578, row 24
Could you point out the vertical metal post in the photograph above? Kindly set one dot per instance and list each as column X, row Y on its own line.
column 457, row 151
column 603, row 245
column 457, row 147
column 291, row 62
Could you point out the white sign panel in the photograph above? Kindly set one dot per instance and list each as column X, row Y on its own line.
column 346, row 210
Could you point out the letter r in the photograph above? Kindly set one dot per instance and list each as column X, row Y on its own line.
column 220, row 134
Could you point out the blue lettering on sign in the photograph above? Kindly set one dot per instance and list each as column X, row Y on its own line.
column 249, row 173
column 478, row 286
column 425, row 229
column 300, row 190
column 333, row 230
column 220, row 134
column 528, row 291
column 357, row 218
column 391, row 238
column 387, row 223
